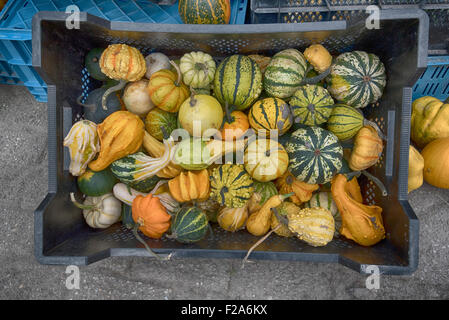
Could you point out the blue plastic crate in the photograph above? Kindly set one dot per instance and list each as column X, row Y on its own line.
column 435, row 80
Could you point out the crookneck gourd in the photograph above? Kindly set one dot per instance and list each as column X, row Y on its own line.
column 120, row 134
column 190, row 185
column 232, row 219
column 82, row 141
column 302, row 191
column 360, row 222
column 231, row 185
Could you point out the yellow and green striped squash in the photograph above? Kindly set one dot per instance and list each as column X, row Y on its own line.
column 270, row 114
column 357, row 78
column 238, row 82
column 324, row 200
column 311, row 105
column 189, row 225
column 344, row 121
column 205, row 11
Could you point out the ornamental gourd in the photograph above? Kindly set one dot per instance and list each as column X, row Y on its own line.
column 367, row 149
column 302, row 191
column 120, row 134
column 156, row 61
column 83, row 143
column 238, row 82
column 357, row 79
column 92, row 106
column 284, row 73
column 360, row 223
column 324, row 200
column 265, row 160
column 415, row 169
column 262, row 192
column 192, row 154
column 235, row 125
column 318, row 57
column 283, row 210
column 429, row 121
column 311, row 105
column 189, row 225
column 205, row 11
column 137, row 99
column 198, row 69
column 262, row 61
column 167, row 91
column 96, row 184
column 200, row 113
column 315, row 155
column 100, row 212
column 92, row 63
column 157, row 119
column 231, row 185
column 190, row 185
column 436, row 163
column 232, row 219
column 270, row 114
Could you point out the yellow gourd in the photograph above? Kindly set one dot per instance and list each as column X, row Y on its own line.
column 285, row 209
column 190, row 185
column 415, row 169
column 318, row 57
column 120, row 134
column 367, row 149
column 436, row 163
column 232, row 219
column 259, row 222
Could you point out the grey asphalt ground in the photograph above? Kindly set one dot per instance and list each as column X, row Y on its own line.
column 23, row 180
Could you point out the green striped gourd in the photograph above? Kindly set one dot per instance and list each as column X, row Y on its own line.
column 265, row 189
column 311, row 105
column 345, row 121
column 284, row 73
column 356, row 78
column 189, row 225
column 270, row 114
column 238, row 82
column 96, row 183
column 158, row 118
column 324, row 200
column 205, row 11
column 315, row 155
column 313, row 225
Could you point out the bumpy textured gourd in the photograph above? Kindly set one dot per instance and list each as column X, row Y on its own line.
column 231, row 186
column 120, row 134
column 318, row 57
column 324, row 200
column 429, row 121
column 284, row 209
column 83, row 143
column 361, row 223
column 367, row 149
column 232, row 219
column 190, row 185
column 205, row 12
column 415, row 169
column 302, row 191
column 100, row 212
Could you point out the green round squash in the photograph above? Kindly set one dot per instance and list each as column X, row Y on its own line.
column 158, row 118
column 284, row 73
column 96, row 183
column 205, row 11
column 265, row 189
column 357, row 78
column 92, row 64
column 238, row 82
column 315, row 155
column 192, row 154
column 189, row 225
column 345, row 121
column 311, row 105
column 270, row 114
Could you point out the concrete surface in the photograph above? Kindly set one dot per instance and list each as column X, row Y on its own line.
column 23, row 177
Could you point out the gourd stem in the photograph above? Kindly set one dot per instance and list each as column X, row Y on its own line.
column 158, row 185
column 376, row 127
column 377, row 182
column 164, row 133
column 178, row 81
column 117, row 87
column 81, row 206
column 151, row 252
column 281, row 219
column 89, row 106
column 257, row 244
column 192, row 97
column 289, row 180
column 228, row 114
column 285, row 196
column 318, row 78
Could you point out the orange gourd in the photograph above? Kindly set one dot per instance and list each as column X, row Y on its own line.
column 190, row 185
column 302, row 191
column 360, row 223
column 235, row 125
column 436, row 163
column 367, row 149
column 151, row 216
column 122, row 62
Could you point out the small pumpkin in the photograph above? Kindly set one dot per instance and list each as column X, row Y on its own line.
column 436, row 163
column 151, row 216
column 265, row 160
column 157, row 119
column 360, row 223
column 122, row 62
column 189, row 225
column 156, row 61
column 83, row 143
column 205, row 11
column 190, row 185
column 318, row 57
column 120, row 134
column 96, row 184
column 235, row 125
column 232, row 219
column 429, row 121
column 199, row 114
column 167, row 91
column 100, row 212
column 302, row 191
column 270, row 114
column 415, row 169
column 367, row 149
column 231, row 185
column 137, row 99
column 198, row 69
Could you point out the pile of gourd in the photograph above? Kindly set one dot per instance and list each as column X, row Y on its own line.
column 289, row 140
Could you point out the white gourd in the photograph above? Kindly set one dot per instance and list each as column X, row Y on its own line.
column 100, row 212
column 137, row 98
column 83, row 143
column 156, row 61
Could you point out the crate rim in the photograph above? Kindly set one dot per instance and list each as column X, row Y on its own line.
column 224, row 29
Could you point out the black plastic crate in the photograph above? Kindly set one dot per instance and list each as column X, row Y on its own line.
column 62, row 236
